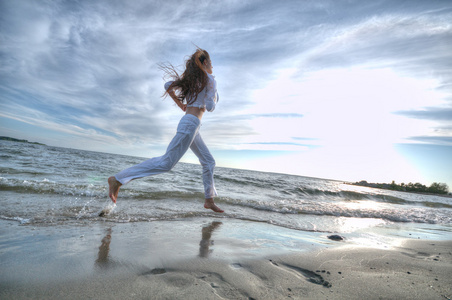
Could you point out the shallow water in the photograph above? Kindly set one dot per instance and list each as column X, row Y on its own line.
column 51, row 186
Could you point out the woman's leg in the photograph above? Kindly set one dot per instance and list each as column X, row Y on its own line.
column 208, row 164
column 186, row 131
column 157, row 165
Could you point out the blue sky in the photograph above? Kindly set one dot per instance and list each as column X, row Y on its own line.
column 347, row 90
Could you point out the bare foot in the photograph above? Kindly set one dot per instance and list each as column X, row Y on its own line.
column 113, row 190
column 209, row 204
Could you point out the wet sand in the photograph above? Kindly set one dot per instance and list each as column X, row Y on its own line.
column 215, row 259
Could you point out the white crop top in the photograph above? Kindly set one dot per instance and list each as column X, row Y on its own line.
column 208, row 97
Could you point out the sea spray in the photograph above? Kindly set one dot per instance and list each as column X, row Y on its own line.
column 107, row 209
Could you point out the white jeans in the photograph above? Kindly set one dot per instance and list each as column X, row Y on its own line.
column 187, row 136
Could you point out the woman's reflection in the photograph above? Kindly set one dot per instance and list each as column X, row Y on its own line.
column 206, row 242
column 102, row 260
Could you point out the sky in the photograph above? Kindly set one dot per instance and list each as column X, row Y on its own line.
column 345, row 90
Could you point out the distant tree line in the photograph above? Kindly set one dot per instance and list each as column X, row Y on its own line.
column 434, row 188
column 6, row 138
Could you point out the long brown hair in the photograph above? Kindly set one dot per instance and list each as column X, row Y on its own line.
column 194, row 79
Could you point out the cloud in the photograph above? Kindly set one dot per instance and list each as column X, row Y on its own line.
column 390, row 37
column 432, row 113
column 267, row 115
column 436, row 140
column 80, row 65
column 441, row 133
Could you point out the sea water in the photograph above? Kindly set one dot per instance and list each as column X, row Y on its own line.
column 51, row 186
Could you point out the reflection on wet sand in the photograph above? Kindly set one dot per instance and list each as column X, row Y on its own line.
column 103, row 260
column 206, row 242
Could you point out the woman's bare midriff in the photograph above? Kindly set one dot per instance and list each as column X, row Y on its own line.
column 196, row 111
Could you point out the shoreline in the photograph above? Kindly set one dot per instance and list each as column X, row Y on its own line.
column 214, row 258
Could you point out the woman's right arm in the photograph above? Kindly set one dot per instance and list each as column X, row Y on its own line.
column 211, row 94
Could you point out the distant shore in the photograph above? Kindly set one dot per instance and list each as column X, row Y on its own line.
column 6, row 138
column 436, row 189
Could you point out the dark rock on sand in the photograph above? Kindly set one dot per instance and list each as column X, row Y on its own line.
column 336, row 237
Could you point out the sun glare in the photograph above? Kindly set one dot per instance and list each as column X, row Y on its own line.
column 347, row 121
column 352, row 106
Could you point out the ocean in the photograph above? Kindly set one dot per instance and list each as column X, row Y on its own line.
column 52, row 186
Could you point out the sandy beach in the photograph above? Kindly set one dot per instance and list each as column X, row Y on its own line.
column 215, row 259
